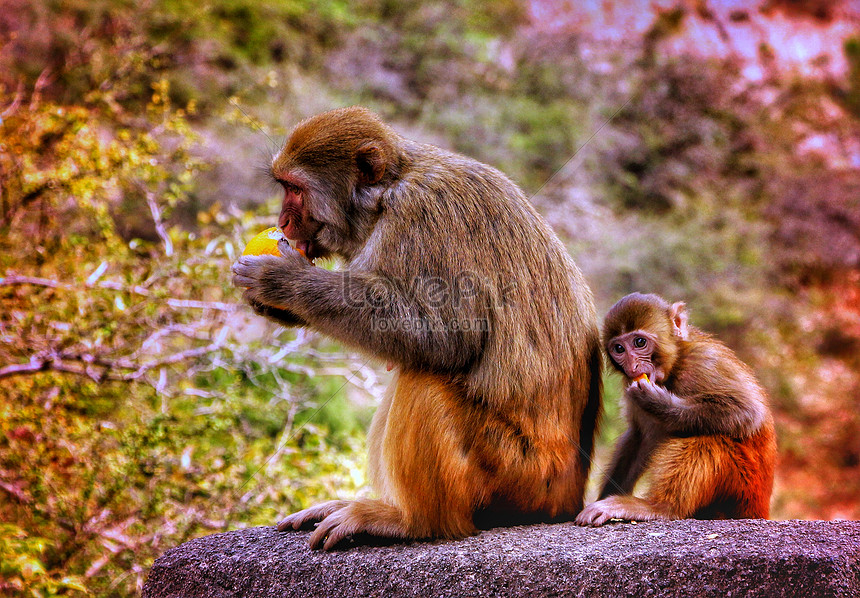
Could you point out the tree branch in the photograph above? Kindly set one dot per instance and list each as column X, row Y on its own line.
column 16, row 102
column 37, row 364
column 99, row 368
column 160, row 229
column 14, row 279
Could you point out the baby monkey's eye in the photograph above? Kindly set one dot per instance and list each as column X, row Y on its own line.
column 619, row 348
column 639, row 342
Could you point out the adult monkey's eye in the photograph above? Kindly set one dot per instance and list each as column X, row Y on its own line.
column 618, row 348
column 290, row 187
column 639, row 342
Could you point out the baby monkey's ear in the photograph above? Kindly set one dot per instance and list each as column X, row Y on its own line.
column 678, row 315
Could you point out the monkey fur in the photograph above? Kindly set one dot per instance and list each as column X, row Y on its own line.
column 450, row 274
column 699, row 424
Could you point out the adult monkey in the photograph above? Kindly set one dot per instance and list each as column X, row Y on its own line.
column 451, row 275
column 699, row 422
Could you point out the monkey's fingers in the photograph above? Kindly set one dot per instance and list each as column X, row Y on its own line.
column 587, row 515
column 594, row 519
column 295, row 521
column 286, row 249
column 246, row 266
column 244, row 274
column 596, row 514
column 640, row 384
column 305, row 518
column 332, row 530
column 602, row 519
column 244, row 282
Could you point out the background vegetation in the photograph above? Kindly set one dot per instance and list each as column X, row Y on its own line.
column 142, row 405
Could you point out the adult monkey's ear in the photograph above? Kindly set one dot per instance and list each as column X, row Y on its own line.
column 371, row 163
column 678, row 316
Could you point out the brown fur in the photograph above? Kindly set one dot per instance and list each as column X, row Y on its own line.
column 488, row 425
column 700, row 427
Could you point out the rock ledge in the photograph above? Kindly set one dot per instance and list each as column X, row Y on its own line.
column 679, row 558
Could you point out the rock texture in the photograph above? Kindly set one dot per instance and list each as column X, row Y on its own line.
column 680, row 558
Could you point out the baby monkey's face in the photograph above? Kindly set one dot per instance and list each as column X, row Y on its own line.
column 633, row 353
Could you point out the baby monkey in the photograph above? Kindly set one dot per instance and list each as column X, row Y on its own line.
column 699, row 423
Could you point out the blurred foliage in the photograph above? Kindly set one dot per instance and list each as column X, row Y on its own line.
column 144, row 420
column 137, row 410
column 852, row 94
column 22, row 571
column 142, row 405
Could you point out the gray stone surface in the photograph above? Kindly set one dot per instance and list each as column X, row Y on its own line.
column 680, row 558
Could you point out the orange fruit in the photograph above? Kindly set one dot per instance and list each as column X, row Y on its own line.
column 641, row 377
column 265, row 243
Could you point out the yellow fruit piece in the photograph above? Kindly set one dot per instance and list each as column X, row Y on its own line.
column 641, row 377
column 265, row 243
